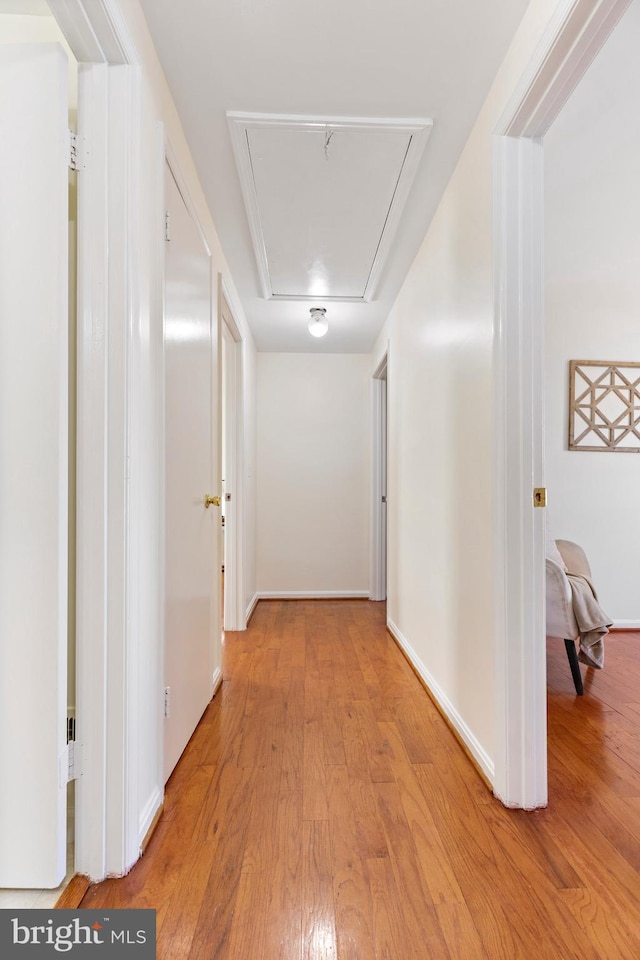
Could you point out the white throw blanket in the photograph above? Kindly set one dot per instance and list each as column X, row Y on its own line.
column 593, row 623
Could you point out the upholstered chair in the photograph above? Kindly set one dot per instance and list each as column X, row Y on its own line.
column 561, row 622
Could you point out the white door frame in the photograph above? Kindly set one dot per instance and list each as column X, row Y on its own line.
column 573, row 38
column 235, row 617
column 109, row 475
column 378, row 570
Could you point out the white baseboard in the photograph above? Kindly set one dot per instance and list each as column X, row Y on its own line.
column 312, row 594
column 626, row 625
column 251, row 608
column 151, row 807
column 474, row 746
column 217, row 680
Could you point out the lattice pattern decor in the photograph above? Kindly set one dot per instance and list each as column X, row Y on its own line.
column 604, row 406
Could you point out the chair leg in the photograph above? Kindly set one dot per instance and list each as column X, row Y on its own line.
column 575, row 666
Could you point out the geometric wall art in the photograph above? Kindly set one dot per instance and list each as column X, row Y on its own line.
column 604, row 406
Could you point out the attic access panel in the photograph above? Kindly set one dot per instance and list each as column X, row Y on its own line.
column 324, row 199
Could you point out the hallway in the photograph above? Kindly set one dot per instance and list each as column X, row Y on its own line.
column 323, row 809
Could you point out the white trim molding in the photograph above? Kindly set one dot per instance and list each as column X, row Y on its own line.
column 626, row 625
column 234, row 530
column 311, row 595
column 521, row 746
column 92, row 459
column 465, row 733
column 575, row 34
column 95, row 31
column 252, row 605
column 216, row 681
column 379, row 421
column 109, row 495
column 151, row 808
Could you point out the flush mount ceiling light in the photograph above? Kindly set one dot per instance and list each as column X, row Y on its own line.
column 318, row 325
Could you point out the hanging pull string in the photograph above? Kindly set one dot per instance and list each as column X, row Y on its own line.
column 328, row 134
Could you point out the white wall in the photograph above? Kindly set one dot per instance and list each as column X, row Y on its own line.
column 16, row 28
column 440, row 335
column 592, row 309
column 313, row 473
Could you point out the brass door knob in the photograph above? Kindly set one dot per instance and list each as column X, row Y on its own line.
column 211, row 500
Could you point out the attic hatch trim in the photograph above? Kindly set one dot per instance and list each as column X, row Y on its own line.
column 416, row 129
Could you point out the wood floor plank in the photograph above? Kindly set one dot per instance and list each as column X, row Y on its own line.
column 353, row 907
column 388, row 919
column 421, row 922
column 283, row 922
column 318, row 912
column 314, row 789
column 460, row 932
column 377, row 749
column 378, row 695
column 290, row 737
column 419, row 739
column 209, row 878
column 436, row 869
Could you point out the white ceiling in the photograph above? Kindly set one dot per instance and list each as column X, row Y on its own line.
column 37, row 8
column 335, row 58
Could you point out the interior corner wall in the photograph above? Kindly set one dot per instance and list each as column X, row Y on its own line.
column 313, row 473
column 440, row 448
column 592, row 307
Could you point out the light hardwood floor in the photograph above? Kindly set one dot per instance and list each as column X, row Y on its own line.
column 324, row 810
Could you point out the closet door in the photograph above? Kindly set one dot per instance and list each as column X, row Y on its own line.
column 191, row 526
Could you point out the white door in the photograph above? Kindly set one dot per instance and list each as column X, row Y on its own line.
column 191, row 528
column 33, row 463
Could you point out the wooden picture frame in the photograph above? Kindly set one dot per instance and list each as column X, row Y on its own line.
column 604, row 406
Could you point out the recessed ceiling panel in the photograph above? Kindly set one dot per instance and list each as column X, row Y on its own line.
column 324, row 198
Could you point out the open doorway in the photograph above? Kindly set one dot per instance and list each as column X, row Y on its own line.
column 561, row 60
column 592, row 303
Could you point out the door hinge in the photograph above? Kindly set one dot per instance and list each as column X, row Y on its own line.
column 69, row 763
column 167, row 224
column 76, row 151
